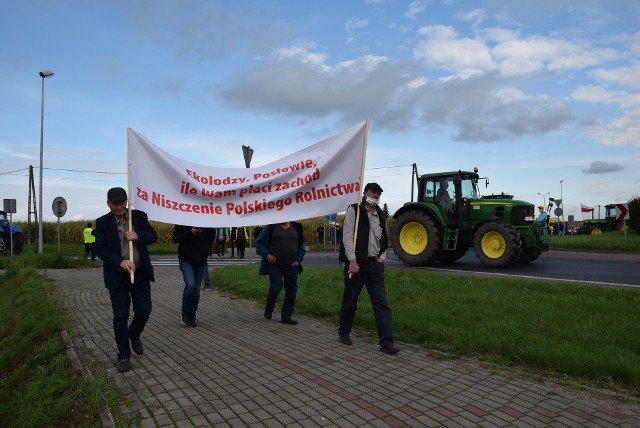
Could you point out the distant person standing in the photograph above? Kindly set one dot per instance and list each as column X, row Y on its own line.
column 242, row 236
column 320, row 232
column 364, row 266
column 221, row 239
column 281, row 247
column 543, row 217
column 89, row 242
column 232, row 240
column 112, row 246
column 194, row 248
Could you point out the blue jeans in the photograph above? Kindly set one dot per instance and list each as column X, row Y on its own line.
column 206, row 278
column 139, row 294
column 280, row 276
column 191, row 295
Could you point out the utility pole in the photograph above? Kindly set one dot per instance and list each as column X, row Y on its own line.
column 31, row 199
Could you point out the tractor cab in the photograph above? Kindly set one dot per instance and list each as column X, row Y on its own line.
column 451, row 193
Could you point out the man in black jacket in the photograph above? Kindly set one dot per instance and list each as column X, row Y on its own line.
column 194, row 247
column 112, row 246
column 364, row 266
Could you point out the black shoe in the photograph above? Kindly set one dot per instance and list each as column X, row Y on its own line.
column 193, row 323
column 136, row 346
column 185, row 321
column 388, row 348
column 267, row 315
column 345, row 339
column 289, row 321
column 123, row 365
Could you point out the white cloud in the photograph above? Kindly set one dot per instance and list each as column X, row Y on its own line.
column 416, row 8
column 622, row 76
column 355, row 24
column 441, row 48
column 523, row 56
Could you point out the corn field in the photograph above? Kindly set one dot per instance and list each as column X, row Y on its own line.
column 71, row 231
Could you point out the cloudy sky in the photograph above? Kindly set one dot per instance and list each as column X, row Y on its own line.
column 531, row 92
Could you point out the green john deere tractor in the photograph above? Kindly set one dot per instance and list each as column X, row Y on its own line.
column 449, row 217
column 599, row 225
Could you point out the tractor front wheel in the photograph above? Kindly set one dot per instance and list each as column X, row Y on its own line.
column 595, row 230
column 496, row 244
column 416, row 238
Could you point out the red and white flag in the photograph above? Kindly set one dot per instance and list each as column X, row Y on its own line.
column 585, row 209
column 321, row 179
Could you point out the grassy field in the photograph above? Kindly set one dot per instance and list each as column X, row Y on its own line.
column 579, row 331
column 610, row 241
column 38, row 385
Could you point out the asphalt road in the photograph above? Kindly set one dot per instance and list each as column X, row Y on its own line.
column 620, row 269
column 617, row 269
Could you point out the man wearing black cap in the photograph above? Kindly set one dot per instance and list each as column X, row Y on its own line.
column 112, row 246
column 364, row 266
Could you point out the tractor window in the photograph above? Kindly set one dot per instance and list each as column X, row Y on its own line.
column 429, row 191
column 469, row 189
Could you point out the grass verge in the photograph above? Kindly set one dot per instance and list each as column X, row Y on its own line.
column 38, row 385
column 576, row 330
column 608, row 241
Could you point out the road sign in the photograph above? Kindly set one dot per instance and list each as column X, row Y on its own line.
column 10, row 206
column 59, row 206
column 622, row 212
column 247, row 152
column 330, row 217
column 558, row 212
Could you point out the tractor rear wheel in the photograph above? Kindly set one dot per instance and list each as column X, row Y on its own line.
column 416, row 238
column 496, row 244
column 3, row 247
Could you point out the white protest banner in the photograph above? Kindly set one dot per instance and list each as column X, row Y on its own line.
column 321, row 179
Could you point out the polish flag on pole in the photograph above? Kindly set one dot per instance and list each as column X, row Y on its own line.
column 585, row 209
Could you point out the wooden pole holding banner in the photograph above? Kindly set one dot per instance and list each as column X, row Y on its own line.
column 364, row 156
column 132, row 273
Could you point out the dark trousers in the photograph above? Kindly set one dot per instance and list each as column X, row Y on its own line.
column 372, row 277
column 139, row 294
column 241, row 246
column 232, row 245
column 89, row 250
column 221, row 248
column 280, row 276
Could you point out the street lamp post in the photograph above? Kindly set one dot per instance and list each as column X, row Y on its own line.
column 44, row 74
column 562, row 181
column 544, row 201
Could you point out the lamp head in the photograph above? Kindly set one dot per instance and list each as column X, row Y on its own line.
column 46, row 73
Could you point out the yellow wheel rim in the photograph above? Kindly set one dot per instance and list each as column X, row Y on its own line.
column 493, row 245
column 596, row 231
column 413, row 238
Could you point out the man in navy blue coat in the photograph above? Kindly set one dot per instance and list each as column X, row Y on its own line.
column 112, row 246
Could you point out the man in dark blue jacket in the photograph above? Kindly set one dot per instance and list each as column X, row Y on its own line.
column 112, row 246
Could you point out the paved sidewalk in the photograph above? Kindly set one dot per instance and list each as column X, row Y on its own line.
column 237, row 369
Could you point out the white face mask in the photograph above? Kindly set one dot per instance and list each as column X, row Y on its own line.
column 373, row 201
